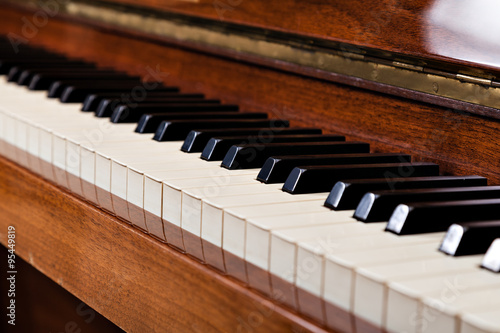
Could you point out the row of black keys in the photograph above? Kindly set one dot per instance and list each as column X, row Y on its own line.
column 303, row 158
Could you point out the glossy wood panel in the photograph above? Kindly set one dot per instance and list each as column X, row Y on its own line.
column 43, row 306
column 138, row 283
column 459, row 32
column 462, row 143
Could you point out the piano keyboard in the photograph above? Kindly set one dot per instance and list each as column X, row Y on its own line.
column 278, row 234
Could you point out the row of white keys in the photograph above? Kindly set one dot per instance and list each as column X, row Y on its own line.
column 105, row 180
column 436, row 303
column 194, row 205
column 336, row 255
column 102, row 161
column 249, row 225
column 218, row 211
column 234, row 240
column 370, row 275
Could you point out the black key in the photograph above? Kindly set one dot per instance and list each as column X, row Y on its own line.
column 378, row 206
column 470, row 238
column 23, row 74
column 277, row 168
column 125, row 114
column 254, row 155
column 313, row 179
column 422, row 217
column 43, row 81
column 216, row 148
column 77, row 94
column 150, row 122
column 196, row 140
column 346, row 194
column 104, row 106
column 57, row 88
column 491, row 259
column 179, row 129
column 8, row 63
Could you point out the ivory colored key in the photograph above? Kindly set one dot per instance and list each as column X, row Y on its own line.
column 258, row 235
column 104, row 167
column 286, row 254
column 192, row 198
column 213, row 214
column 480, row 321
column 234, row 228
column 446, row 313
column 313, row 283
column 153, row 196
column 404, row 310
column 173, row 195
column 491, row 260
column 371, row 279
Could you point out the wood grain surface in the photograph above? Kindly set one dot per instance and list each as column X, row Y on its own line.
column 43, row 306
column 136, row 282
column 423, row 29
column 461, row 142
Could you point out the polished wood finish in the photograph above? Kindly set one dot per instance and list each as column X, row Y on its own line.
column 138, row 283
column 461, row 142
column 43, row 306
column 423, row 29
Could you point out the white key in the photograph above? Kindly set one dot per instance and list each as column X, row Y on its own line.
column 482, row 321
column 21, row 142
column 234, row 231
column 491, row 259
column 173, row 194
column 445, row 311
column 213, row 209
column 404, row 308
column 59, row 160
column 33, row 148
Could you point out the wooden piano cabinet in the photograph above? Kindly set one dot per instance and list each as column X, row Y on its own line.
column 44, row 306
column 457, row 137
column 414, row 28
column 136, row 282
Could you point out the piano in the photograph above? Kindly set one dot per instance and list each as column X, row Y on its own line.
column 237, row 166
